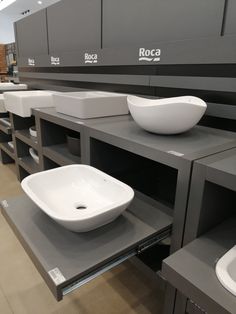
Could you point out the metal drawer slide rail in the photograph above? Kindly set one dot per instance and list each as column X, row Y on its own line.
column 142, row 247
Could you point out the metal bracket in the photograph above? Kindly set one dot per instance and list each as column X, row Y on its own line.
column 153, row 241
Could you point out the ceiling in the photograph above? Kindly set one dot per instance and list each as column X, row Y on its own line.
column 13, row 11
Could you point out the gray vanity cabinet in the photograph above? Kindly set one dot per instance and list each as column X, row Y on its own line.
column 135, row 22
column 210, row 230
column 31, row 34
column 74, row 25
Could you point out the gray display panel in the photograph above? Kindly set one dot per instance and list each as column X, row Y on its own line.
column 132, row 22
column 32, row 35
column 74, row 25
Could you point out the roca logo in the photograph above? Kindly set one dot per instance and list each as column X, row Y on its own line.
column 90, row 58
column 31, row 62
column 149, row 55
column 55, row 60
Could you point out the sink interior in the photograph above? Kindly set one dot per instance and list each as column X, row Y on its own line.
column 226, row 270
column 82, row 95
column 12, row 86
column 232, row 267
column 91, row 94
column 79, row 197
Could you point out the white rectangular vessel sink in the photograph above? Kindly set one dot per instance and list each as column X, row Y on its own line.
column 11, row 86
column 94, row 104
column 21, row 103
column 79, row 197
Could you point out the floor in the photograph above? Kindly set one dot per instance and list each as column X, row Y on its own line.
column 123, row 290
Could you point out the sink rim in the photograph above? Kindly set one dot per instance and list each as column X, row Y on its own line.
column 28, row 93
column 221, row 270
column 150, row 102
column 60, row 217
column 87, row 95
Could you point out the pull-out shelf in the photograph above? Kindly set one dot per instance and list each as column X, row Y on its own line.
column 66, row 260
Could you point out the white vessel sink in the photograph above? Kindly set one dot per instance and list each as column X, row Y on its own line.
column 2, row 105
column 226, row 270
column 78, row 197
column 21, row 103
column 168, row 115
column 11, row 86
column 85, row 105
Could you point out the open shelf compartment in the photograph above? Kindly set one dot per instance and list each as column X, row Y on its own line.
column 24, row 136
column 49, row 164
column 24, row 158
column 7, row 150
column 55, row 146
column 156, row 180
column 7, row 129
column 66, row 260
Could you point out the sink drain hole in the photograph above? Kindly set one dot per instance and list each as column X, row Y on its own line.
column 80, row 207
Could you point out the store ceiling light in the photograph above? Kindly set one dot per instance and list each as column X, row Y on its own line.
column 5, row 3
column 40, row 2
column 25, row 12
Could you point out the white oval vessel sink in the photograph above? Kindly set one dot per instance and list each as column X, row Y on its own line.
column 168, row 115
column 79, row 197
column 21, row 103
column 11, row 86
column 2, row 105
column 94, row 104
column 226, row 270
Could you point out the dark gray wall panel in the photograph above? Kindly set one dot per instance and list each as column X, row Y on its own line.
column 131, row 22
column 96, row 78
column 32, row 35
column 73, row 25
column 230, row 22
column 224, row 84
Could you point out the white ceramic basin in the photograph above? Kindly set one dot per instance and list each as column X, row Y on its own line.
column 11, row 86
column 2, row 105
column 168, row 115
column 78, row 197
column 85, row 105
column 21, row 103
column 226, row 270
column 34, row 155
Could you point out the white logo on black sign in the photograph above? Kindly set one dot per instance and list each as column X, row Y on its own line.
column 90, row 58
column 55, row 60
column 31, row 62
column 149, row 55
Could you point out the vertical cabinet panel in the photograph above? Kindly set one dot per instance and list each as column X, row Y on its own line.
column 134, row 22
column 32, row 35
column 74, row 24
column 230, row 22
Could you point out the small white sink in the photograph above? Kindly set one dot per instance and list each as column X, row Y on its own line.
column 11, row 86
column 226, row 270
column 168, row 115
column 2, row 105
column 21, row 103
column 79, row 197
column 85, row 105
